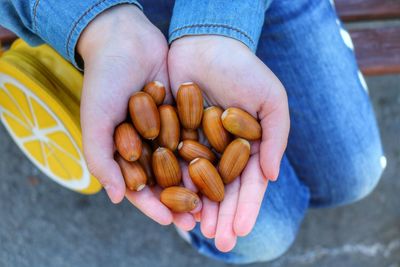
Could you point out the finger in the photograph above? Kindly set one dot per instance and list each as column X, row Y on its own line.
column 197, row 216
column 98, row 125
column 187, row 181
column 209, row 216
column 255, row 147
column 150, row 205
column 275, row 123
column 252, row 190
column 225, row 237
column 98, row 148
column 156, row 190
column 184, row 221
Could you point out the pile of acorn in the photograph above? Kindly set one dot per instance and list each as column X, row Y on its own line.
column 148, row 149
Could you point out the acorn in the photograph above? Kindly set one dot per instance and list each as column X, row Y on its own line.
column 145, row 160
column 156, row 90
column 144, row 114
column 207, row 179
column 189, row 150
column 234, row 159
column 127, row 141
column 170, row 129
column 188, row 134
column 213, row 129
column 189, row 101
column 166, row 167
column 179, row 199
column 133, row 173
column 241, row 124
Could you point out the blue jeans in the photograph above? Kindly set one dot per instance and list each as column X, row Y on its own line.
column 334, row 154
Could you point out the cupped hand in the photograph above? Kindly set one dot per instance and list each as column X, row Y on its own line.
column 122, row 51
column 230, row 75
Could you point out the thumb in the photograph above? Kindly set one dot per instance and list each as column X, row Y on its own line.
column 98, row 148
column 103, row 106
column 275, row 123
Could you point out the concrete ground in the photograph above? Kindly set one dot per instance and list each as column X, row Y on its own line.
column 43, row 224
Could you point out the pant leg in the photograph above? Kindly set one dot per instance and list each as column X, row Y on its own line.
column 281, row 213
column 334, row 144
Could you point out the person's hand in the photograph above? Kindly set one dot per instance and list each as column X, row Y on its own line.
column 122, row 51
column 230, row 75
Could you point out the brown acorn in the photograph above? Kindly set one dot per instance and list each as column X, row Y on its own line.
column 241, row 124
column 206, row 178
column 170, row 129
column 145, row 160
column 188, row 134
column 133, row 173
column 179, row 199
column 166, row 167
column 144, row 114
column 189, row 150
column 234, row 159
column 127, row 141
column 156, row 90
column 189, row 101
column 213, row 129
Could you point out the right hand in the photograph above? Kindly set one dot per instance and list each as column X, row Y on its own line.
column 230, row 75
column 122, row 51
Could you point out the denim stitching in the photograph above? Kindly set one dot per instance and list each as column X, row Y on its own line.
column 34, row 15
column 77, row 22
column 214, row 26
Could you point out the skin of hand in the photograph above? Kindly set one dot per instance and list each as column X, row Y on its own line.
column 230, row 75
column 122, row 51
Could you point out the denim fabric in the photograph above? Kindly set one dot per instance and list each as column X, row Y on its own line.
column 58, row 23
column 334, row 144
column 241, row 20
column 17, row 16
column 334, row 154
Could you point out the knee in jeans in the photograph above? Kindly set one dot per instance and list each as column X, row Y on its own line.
column 265, row 245
column 353, row 182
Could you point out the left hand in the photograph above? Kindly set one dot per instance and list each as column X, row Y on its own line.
column 122, row 51
column 230, row 75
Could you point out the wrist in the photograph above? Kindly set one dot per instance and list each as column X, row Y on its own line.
column 241, row 20
column 117, row 24
column 205, row 48
column 209, row 42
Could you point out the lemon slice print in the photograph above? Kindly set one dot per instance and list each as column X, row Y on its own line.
column 41, row 113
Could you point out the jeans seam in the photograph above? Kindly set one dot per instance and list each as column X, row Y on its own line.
column 77, row 22
column 204, row 25
column 35, row 15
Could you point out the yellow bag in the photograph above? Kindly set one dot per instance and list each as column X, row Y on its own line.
column 39, row 106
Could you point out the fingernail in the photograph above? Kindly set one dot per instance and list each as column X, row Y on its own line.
column 197, row 217
column 110, row 192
